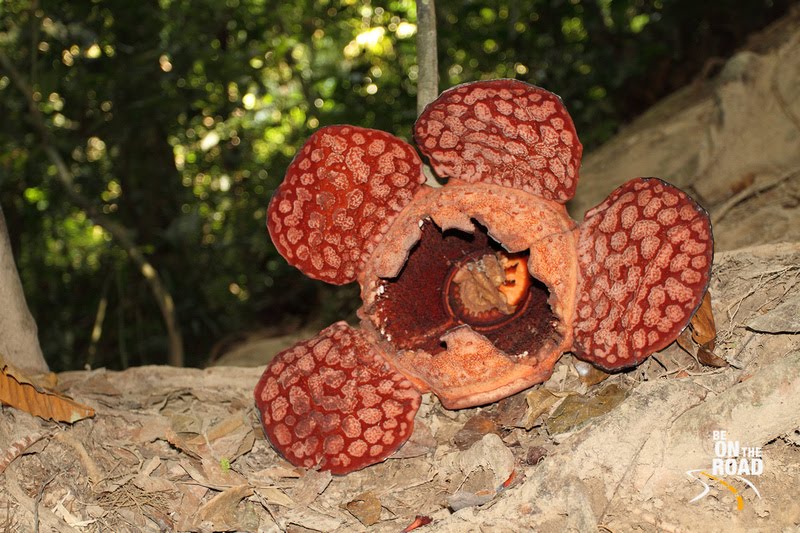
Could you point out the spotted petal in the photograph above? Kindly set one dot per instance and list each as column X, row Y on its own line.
column 644, row 257
column 503, row 132
column 340, row 194
column 332, row 401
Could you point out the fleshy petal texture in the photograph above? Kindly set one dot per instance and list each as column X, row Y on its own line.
column 333, row 401
column 645, row 257
column 339, row 196
column 504, row 132
column 406, row 290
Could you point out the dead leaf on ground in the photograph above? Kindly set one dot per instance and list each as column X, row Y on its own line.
column 474, row 429
column 589, row 374
column 575, row 410
column 191, row 496
column 222, row 513
column 708, row 358
column 366, row 507
column 311, row 485
column 535, row 455
column 704, row 333
column 228, row 439
column 71, row 520
column 17, row 390
column 152, row 427
column 275, row 496
column 704, row 329
column 212, row 474
column 511, row 412
column 539, row 400
column 268, row 475
column 224, row 442
column 149, row 483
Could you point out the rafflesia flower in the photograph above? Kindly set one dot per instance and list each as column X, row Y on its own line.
column 473, row 290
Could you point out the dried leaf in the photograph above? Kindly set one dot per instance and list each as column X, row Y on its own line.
column 589, row 374
column 17, row 390
column 87, row 460
column 147, row 483
column 685, row 341
column 212, row 474
column 230, row 438
column 709, row 358
column 535, row 455
column 275, row 496
column 191, row 497
column 186, row 423
column 312, row 485
column 219, row 473
column 153, row 427
column 224, row 441
column 704, row 330
column 366, row 507
column 575, row 410
column 511, row 412
column 473, row 430
column 45, row 381
column 69, row 518
column 267, row 475
column 700, row 337
column 221, row 512
column 540, row 400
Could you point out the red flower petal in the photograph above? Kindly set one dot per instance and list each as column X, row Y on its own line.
column 340, row 194
column 645, row 257
column 504, row 132
column 333, row 401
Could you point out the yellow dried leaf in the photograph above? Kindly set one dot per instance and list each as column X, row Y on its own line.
column 700, row 337
column 704, row 331
column 17, row 390
column 366, row 507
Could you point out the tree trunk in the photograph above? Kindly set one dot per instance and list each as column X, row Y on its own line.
column 19, row 343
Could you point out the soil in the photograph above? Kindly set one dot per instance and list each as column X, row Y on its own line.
column 182, row 449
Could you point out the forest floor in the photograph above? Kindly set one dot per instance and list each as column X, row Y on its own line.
column 182, row 449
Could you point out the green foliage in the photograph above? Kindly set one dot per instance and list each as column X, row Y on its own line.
column 178, row 119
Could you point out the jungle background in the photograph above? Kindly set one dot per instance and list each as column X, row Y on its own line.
column 160, row 128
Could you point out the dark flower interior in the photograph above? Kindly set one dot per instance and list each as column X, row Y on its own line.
column 449, row 280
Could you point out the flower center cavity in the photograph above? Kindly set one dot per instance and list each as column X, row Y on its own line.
column 488, row 287
column 452, row 279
